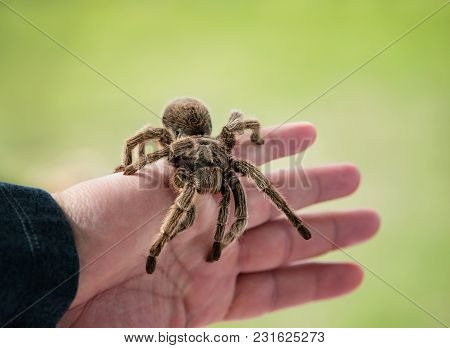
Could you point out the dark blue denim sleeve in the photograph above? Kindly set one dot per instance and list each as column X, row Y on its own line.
column 38, row 260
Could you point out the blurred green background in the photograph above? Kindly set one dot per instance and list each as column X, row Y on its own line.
column 60, row 123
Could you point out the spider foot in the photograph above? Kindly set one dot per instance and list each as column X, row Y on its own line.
column 257, row 141
column 129, row 170
column 215, row 253
column 151, row 264
column 303, row 230
column 119, row 169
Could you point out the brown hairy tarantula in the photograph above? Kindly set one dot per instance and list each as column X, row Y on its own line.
column 203, row 164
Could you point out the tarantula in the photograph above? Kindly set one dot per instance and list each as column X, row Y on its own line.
column 203, row 164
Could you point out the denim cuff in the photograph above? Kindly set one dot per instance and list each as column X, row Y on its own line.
column 38, row 260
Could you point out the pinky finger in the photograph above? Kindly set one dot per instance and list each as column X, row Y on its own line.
column 262, row 292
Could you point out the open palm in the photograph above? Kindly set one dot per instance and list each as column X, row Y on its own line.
column 116, row 218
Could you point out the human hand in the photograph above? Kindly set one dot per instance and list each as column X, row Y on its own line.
column 115, row 219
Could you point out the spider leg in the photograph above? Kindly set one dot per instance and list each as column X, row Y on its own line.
column 171, row 222
column 185, row 222
column 236, row 125
column 160, row 134
column 147, row 159
column 224, row 208
column 240, row 214
column 266, row 186
column 178, row 181
column 255, row 127
column 141, row 150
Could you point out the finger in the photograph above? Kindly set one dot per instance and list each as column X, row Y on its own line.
column 323, row 183
column 278, row 243
column 279, row 141
column 262, row 292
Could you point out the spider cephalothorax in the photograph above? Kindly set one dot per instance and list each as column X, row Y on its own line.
column 203, row 164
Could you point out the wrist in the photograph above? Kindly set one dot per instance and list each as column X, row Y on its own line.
column 82, row 245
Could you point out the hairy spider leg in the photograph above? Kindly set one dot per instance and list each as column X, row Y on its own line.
column 265, row 186
column 185, row 222
column 171, row 221
column 147, row 159
column 147, row 134
column 240, row 214
column 141, row 150
column 224, row 208
column 236, row 125
column 240, row 210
